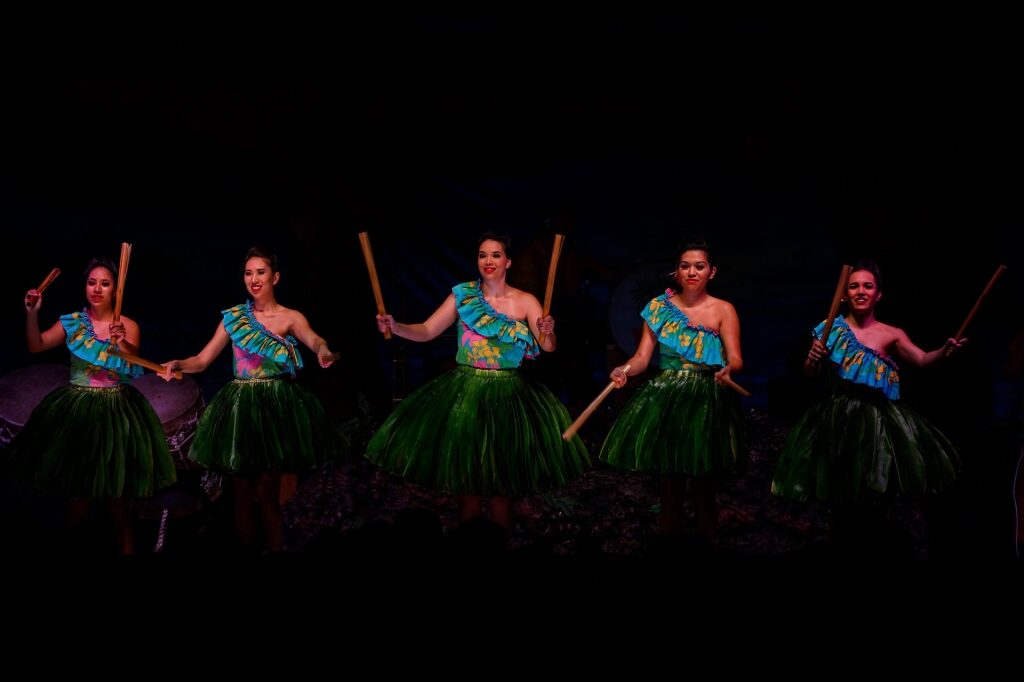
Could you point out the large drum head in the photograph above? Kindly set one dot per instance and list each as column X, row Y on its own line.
column 22, row 390
column 635, row 291
column 178, row 404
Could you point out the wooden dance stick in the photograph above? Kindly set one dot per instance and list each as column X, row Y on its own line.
column 48, row 281
column 575, row 426
column 837, row 298
column 122, row 275
column 974, row 311
column 556, row 251
column 364, row 241
column 736, row 387
column 141, row 362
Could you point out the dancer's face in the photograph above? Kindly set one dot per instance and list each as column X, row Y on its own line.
column 491, row 260
column 259, row 277
column 694, row 270
column 99, row 287
column 862, row 291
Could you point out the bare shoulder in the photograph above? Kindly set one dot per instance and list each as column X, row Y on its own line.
column 129, row 322
column 886, row 338
column 294, row 316
column 722, row 307
column 524, row 305
column 891, row 331
column 524, row 296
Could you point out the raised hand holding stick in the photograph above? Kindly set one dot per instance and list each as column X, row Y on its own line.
column 48, row 281
column 122, row 275
column 364, row 241
column 33, row 294
column 549, row 290
column 837, row 298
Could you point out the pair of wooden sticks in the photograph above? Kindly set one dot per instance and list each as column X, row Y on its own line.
column 126, row 253
column 364, row 242
column 844, row 277
column 585, row 414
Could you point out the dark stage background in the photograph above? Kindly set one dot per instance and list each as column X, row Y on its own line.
column 793, row 146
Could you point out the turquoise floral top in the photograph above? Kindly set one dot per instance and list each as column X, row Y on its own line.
column 258, row 352
column 680, row 342
column 489, row 339
column 858, row 364
column 92, row 364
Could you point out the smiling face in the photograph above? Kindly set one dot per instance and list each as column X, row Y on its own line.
column 862, row 291
column 99, row 288
column 694, row 270
column 259, row 278
column 491, row 259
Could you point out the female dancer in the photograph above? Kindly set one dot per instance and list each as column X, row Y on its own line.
column 684, row 424
column 97, row 438
column 262, row 424
column 482, row 428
